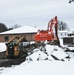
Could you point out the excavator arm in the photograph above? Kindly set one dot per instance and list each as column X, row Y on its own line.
column 53, row 22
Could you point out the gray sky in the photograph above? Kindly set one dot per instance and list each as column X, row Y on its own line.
column 36, row 12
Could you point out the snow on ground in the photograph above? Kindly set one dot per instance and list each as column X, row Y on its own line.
column 37, row 56
column 42, row 62
column 43, row 68
column 46, row 53
column 2, row 47
column 49, row 49
column 59, row 54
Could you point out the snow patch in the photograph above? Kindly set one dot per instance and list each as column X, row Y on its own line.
column 36, row 56
column 2, row 47
column 43, row 68
column 49, row 49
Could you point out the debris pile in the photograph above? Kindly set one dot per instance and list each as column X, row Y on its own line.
column 50, row 52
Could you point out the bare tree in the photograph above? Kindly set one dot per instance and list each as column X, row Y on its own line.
column 16, row 26
column 3, row 27
column 62, row 25
column 70, row 1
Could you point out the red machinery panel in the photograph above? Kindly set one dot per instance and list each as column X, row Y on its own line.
column 50, row 34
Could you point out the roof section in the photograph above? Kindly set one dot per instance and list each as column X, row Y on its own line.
column 24, row 29
column 63, row 31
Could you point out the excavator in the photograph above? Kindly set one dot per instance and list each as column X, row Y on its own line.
column 51, row 34
column 14, row 46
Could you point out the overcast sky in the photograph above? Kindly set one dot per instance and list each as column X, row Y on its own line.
column 35, row 12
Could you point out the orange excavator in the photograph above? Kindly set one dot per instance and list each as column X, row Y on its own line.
column 51, row 34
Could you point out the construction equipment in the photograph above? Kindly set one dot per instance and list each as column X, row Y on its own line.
column 14, row 46
column 51, row 34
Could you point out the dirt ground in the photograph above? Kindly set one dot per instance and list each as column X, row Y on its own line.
column 8, row 62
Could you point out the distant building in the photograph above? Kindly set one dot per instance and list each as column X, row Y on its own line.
column 62, row 34
column 67, row 37
column 28, row 31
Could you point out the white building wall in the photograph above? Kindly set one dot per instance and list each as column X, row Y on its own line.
column 62, row 34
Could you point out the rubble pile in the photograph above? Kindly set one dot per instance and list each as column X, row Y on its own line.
column 50, row 52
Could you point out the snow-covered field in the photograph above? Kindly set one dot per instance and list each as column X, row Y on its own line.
column 42, row 68
column 48, row 60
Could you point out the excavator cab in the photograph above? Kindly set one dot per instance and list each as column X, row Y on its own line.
column 14, row 47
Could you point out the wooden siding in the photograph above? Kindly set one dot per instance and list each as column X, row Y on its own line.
column 28, row 37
